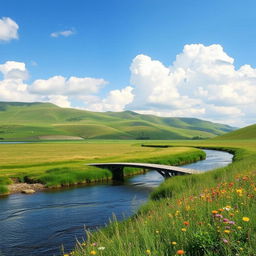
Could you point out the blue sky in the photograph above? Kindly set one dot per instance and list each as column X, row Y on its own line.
column 106, row 37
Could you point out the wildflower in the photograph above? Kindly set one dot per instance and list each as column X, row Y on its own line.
column 66, row 254
column 239, row 191
column 225, row 241
column 239, row 227
column 186, row 223
column 180, row 252
column 177, row 213
column 225, row 220
column 227, row 208
column 183, row 229
column 157, row 231
column 231, row 222
column 94, row 244
column 218, row 216
column 188, row 208
column 148, row 252
column 93, row 252
column 246, row 219
column 173, row 243
column 214, row 212
column 101, row 248
column 226, row 231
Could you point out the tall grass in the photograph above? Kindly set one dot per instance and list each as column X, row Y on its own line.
column 207, row 214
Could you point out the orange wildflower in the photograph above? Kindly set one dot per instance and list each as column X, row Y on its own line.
column 186, row 223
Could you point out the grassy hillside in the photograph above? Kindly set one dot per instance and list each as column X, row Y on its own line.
column 33, row 121
column 245, row 133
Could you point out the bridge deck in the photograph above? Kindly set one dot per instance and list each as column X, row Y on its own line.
column 157, row 167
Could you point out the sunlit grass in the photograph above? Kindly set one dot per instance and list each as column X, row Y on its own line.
column 63, row 164
column 206, row 214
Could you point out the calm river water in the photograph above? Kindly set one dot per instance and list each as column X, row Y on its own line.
column 39, row 224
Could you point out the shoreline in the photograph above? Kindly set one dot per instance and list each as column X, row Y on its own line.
column 22, row 187
column 16, row 188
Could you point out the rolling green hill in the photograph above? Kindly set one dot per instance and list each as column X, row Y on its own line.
column 245, row 133
column 33, row 121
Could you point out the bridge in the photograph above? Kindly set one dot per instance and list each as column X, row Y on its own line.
column 166, row 171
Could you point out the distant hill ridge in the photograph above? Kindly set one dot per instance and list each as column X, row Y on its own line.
column 245, row 133
column 32, row 121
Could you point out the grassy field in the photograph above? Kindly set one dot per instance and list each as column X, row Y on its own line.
column 206, row 214
column 63, row 163
column 43, row 121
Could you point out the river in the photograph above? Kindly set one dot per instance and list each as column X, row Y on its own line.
column 38, row 224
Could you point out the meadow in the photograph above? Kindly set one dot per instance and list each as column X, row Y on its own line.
column 206, row 214
column 57, row 164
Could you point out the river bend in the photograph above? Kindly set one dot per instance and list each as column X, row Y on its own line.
column 38, row 224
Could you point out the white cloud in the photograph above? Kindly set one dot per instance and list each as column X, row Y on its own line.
column 8, row 29
column 201, row 82
column 115, row 101
column 64, row 33
column 58, row 89
column 59, row 100
column 59, row 85
column 14, row 70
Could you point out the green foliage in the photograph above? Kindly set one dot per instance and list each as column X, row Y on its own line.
column 66, row 176
column 3, row 189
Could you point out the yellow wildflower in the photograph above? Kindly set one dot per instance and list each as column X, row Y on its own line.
column 246, row 219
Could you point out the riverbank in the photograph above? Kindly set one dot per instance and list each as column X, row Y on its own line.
column 25, row 188
column 56, row 165
column 206, row 214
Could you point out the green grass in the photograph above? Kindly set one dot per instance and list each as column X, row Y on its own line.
column 58, row 164
column 34, row 121
column 245, row 133
column 181, row 213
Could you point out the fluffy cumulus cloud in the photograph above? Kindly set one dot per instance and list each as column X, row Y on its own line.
column 14, row 70
column 59, row 85
column 64, row 33
column 58, row 89
column 116, row 100
column 201, row 82
column 8, row 29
